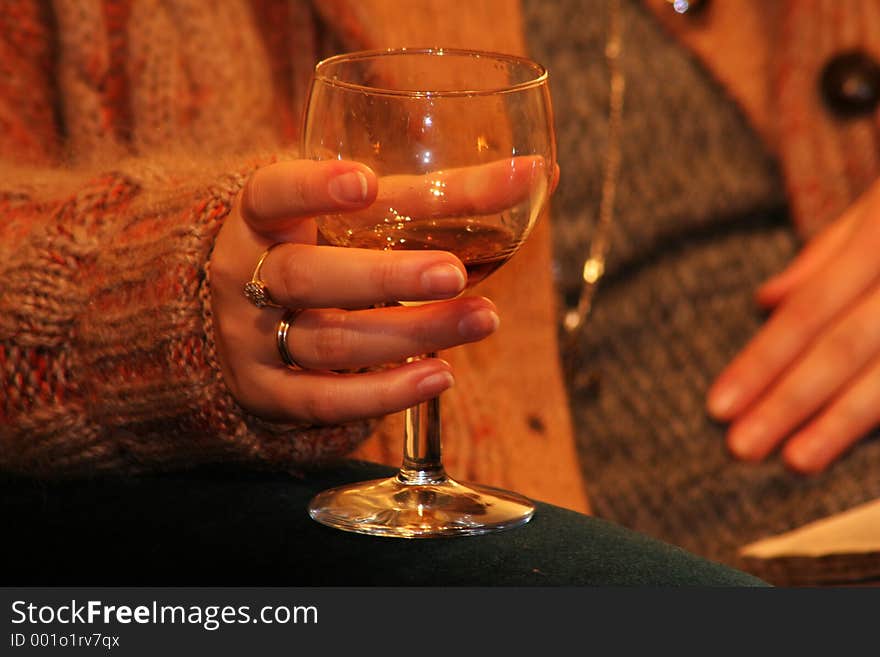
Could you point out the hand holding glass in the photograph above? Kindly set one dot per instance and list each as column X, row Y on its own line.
column 463, row 146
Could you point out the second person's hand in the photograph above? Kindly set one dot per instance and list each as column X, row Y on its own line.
column 810, row 379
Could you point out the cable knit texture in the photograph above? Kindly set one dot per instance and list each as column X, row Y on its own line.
column 95, row 266
column 701, row 220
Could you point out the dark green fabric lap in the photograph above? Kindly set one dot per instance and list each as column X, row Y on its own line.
column 221, row 527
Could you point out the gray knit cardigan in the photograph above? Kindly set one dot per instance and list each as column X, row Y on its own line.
column 701, row 220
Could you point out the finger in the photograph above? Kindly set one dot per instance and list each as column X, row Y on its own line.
column 336, row 339
column 832, row 361
column 306, row 276
column 479, row 190
column 811, row 259
column 854, row 413
column 283, row 192
column 796, row 322
column 325, row 398
column 483, row 189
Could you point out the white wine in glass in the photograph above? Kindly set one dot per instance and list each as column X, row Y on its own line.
column 463, row 146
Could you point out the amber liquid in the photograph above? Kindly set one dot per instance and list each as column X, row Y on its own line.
column 482, row 246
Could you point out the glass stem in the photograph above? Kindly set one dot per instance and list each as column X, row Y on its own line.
column 421, row 446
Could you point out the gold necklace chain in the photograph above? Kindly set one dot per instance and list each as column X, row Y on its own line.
column 594, row 265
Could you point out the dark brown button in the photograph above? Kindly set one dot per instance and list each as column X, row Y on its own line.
column 850, row 84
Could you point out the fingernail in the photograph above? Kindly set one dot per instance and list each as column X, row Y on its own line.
column 768, row 293
column 745, row 440
column 350, row 187
column 800, row 461
column 434, row 384
column 805, row 457
column 443, row 280
column 722, row 400
column 478, row 324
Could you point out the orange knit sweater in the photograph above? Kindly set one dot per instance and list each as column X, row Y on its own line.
column 106, row 348
column 126, row 129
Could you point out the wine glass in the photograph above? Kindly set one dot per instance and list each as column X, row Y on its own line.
column 464, row 149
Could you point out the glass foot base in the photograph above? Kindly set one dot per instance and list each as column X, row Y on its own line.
column 392, row 507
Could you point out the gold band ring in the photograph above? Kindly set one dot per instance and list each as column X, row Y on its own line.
column 281, row 338
column 255, row 290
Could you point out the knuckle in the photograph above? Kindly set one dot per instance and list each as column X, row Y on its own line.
column 868, row 229
column 253, row 199
column 797, row 317
column 296, row 193
column 422, row 336
column 297, row 280
column 248, row 391
column 225, row 270
column 333, row 344
column 794, row 400
column 385, row 275
column 320, row 406
column 754, row 362
column 853, row 410
column 842, row 347
column 387, row 398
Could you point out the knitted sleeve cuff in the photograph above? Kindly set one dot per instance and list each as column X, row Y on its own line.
column 106, row 338
column 268, row 442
